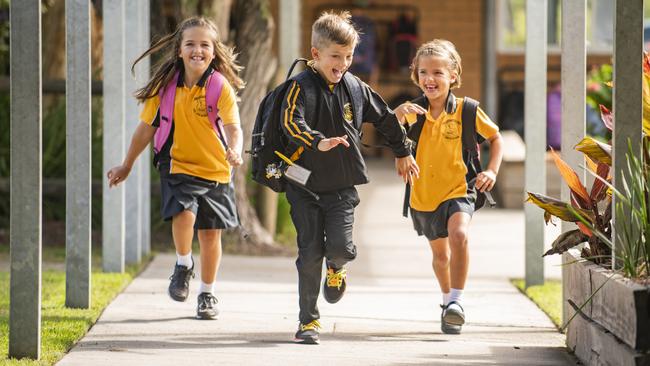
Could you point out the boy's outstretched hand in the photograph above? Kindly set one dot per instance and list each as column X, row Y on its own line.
column 485, row 180
column 117, row 175
column 332, row 142
column 407, row 168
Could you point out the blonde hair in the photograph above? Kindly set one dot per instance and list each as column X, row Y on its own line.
column 443, row 49
column 332, row 27
column 224, row 60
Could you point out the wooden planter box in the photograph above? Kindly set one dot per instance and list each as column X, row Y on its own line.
column 615, row 326
column 510, row 188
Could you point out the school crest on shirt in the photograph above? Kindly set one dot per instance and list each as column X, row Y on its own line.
column 347, row 112
column 198, row 106
column 451, row 129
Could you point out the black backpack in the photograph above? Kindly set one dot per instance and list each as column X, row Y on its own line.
column 268, row 139
column 470, row 140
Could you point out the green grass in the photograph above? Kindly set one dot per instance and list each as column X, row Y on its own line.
column 56, row 254
column 62, row 327
column 547, row 296
column 285, row 232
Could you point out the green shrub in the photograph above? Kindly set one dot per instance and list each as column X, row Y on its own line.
column 285, row 231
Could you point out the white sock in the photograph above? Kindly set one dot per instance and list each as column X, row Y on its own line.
column 445, row 298
column 206, row 287
column 184, row 260
column 455, row 294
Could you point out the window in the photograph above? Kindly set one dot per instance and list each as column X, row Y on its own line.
column 511, row 25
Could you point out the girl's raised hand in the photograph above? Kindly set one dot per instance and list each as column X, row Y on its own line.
column 233, row 158
column 117, row 175
column 408, row 108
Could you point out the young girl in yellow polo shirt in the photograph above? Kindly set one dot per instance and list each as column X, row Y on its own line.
column 194, row 157
column 443, row 196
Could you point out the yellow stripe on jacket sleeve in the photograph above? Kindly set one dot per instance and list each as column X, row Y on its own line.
column 293, row 108
column 287, row 119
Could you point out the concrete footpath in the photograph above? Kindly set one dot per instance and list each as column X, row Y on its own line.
column 389, row 315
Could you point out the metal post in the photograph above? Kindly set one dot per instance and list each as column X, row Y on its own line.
column 535, row 135
column 78, row 155
column 113, row 198
column 145, row 158
column 627, row 101
column 25, row 180
column 574, row 68
column 290, row 17
column 132, row 186
column 490, row 90
column 289, row 50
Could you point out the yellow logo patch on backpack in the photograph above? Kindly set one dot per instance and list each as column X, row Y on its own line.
column 347, row 112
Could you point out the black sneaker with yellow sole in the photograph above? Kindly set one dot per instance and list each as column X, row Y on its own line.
column 308, row 333
column 334, row 284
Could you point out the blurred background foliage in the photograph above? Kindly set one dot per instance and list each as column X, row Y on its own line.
column 168, row 14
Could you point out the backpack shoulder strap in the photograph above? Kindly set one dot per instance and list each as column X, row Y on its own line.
column 353, row 84
column 470, row 144
column 213, row 88
column 167, row 94
column 415, row 129
column 470, row 107
column 309, row 91
column 413, row 134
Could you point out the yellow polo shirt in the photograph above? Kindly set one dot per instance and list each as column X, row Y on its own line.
column 196, row 149
column 440, row 157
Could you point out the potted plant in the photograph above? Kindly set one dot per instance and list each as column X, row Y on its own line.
column 611, row 309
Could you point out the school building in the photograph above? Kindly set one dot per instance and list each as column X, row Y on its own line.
column 489, row 35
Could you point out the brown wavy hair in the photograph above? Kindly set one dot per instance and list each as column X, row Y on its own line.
column 224, row 60
column 438, row 48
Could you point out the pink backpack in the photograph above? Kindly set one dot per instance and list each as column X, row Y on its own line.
column 213, row 86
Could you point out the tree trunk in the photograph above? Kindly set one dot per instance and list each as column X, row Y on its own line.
column 253, row 35
column 97, row 42
column 214, row 10
column 54, row 66
column 165, row 16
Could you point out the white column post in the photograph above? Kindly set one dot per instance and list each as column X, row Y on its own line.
column 113, row 198
column 78, row 155
column 535, row 135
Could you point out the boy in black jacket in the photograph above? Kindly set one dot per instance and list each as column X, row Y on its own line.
column 324, row 108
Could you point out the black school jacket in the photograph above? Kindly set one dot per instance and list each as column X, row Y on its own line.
column 312, row 110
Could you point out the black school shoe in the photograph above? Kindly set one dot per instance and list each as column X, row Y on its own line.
column 454, row 315
column 308, row 333
column 446, row 327
column 334, row 284
column 207, row 306
column 179, row 286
